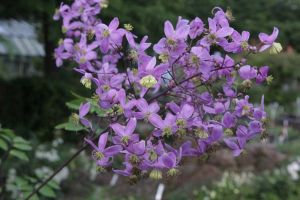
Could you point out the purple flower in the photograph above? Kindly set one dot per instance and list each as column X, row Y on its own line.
column 247, row 72
column 216, row 34
column 103, row 153
column 124, row 134
column 83, row 111
column 196, row 28
column 146, row 110
column 268, row 40
column 109, row 36
column 229, row 120
column 165, row 127
column 239, row 43
column 262, row 74
column 236, row 144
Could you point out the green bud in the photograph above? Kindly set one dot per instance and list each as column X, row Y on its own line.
column 86, row 82
column 148, row 81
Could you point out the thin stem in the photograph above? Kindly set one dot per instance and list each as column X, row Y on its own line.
column 66, row 163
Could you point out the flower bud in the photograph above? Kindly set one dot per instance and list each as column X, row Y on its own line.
column 148, row 81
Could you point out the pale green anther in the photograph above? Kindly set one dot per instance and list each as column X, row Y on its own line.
column 148, row 81
column 212, row 37
column 247, row 83
column 201, row 133
column 125, row 139
column 167, row 131
column 171, row 42
column 134, row 71
column 181, row 131
column 245, row 45
column 155, row 174
column 172, row 172
column 60, row 42
column 128, row 27
column 194, row 59
column 163, row 58
column 100, row 169
column 153, row 155
column 228, row 132
column 270, row 79
column 74, row 118
column 133, row 54
column 180, row 122
column 276, row 48
column 98, row 155
column 86, row 82
column 91, row 34
column 245, row 110
column 106, row 87
column 82, row 60
column 95, row 97
column 105, row 33
column 229, row 14
column 103, row 3
column 64, row 29
column 134, row 159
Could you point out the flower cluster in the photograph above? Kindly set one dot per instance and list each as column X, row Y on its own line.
column 187, row 98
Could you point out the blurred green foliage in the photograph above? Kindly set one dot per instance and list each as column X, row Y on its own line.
column 34, row 106
column 15, row 183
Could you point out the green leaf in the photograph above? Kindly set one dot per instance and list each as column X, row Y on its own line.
column 47, row 192
column 19, row 154
column 8, row 132
column 24, row 147
column 5, row 137
column 69, row 126
column 20, row 140
column 54, row 185
column 75, row 104
column 3, row 145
